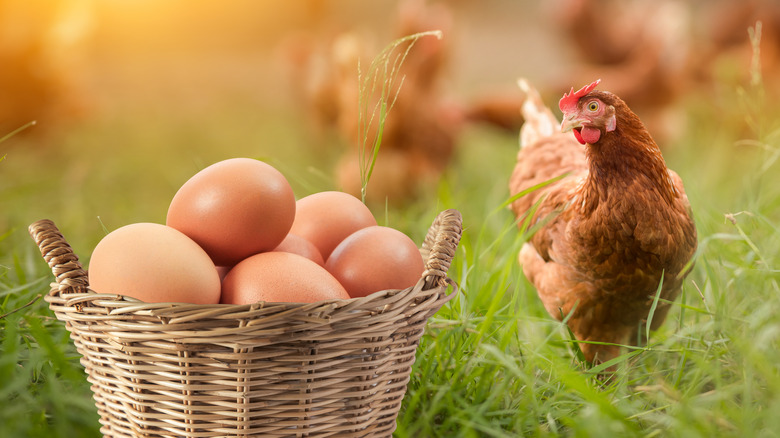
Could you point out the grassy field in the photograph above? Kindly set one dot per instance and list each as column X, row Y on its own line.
column 492, row 362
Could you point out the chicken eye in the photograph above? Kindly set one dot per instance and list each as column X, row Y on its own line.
column 593, row 106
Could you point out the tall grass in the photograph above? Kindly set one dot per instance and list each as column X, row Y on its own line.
column 377, row 92
column 42, row 385
column 492, row 362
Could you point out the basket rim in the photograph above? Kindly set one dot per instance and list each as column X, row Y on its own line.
column 116, row 305
column 80, row 293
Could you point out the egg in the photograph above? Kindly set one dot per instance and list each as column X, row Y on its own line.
column 153, row 263
column 279, row 277
column 298, row 245
column 327, row 218
column 374, row 259
column 234, row 208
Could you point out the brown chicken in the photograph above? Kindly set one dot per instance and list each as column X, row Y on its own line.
column 423, row 127
column 610, row 231
column 420, row 133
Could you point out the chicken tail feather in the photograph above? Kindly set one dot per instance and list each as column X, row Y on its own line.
column 539, row 120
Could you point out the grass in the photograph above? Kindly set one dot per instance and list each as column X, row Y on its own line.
column 378, row 91
column 492, row 362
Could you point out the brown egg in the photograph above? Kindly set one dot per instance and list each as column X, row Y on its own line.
column 279, row 277
column 153, row 263
column 298, row 245
column 234, row 208
column 374, row 259
column 327, row 218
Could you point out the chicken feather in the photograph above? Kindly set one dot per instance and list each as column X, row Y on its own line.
column 617, row 225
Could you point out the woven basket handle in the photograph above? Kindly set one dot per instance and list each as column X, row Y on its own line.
column 64, row 263
column 440, row 245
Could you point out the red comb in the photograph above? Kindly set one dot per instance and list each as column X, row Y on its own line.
column 568, row 102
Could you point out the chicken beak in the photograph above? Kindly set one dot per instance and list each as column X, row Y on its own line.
column 570, row 122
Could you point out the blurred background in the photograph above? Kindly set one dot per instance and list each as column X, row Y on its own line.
column 133, row 97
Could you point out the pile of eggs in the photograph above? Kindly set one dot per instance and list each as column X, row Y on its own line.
column 235, row 234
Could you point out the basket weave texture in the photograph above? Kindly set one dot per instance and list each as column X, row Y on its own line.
column 331, row 368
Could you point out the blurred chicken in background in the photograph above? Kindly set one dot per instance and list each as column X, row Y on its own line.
column 724, row 52
column 40, row 60
column 421, row 131
column 654, row 53
column 640, row 48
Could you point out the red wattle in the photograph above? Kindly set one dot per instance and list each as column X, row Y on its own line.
column 590, row 135
column 578, row 136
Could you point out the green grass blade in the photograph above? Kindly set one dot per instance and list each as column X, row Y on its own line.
column 654, row 306
column 384, row 70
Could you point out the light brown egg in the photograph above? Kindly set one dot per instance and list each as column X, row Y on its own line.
column 234, row 208
column 327, row 218
column 298, row 245
column 153, row 263
column 279, row 277
column 374, row 259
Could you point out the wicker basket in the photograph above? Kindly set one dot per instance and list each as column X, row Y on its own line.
column 331, row 368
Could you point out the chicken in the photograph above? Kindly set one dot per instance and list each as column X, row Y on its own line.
column 420, row 132
column 423, row 127
column 611, row 230
column 725, row 43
